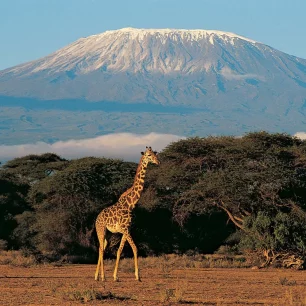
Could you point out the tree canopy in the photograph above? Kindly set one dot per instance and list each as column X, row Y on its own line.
column 254, row 178
column 65, row 204
column 257, row 182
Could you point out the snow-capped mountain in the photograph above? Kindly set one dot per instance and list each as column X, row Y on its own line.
column 170, row 67
column 135, row 50
column 232, row 84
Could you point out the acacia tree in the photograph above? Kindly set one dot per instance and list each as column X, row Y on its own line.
column 65, row 204
column 33, row 168
column 13, row 193
column 258, row 180
column 16, row 178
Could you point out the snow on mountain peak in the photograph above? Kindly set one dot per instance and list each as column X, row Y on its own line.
column 131, row 49
column 135, row 33
column 161, row 66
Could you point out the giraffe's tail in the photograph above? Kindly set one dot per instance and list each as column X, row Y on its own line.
column 94, row 241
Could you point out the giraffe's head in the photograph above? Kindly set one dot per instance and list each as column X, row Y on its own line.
column 150, row 156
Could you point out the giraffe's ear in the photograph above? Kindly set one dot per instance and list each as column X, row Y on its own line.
column 155, row 152
column 142, row 153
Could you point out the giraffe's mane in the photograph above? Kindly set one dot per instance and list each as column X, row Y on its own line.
column 135, row 179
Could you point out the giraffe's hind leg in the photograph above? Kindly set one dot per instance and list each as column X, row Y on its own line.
column 123, row 239
column 98, row 265
column 102, row 246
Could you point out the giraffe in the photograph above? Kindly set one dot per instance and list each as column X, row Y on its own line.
column 118, row 217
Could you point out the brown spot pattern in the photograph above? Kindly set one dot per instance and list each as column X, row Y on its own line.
column 118, row 218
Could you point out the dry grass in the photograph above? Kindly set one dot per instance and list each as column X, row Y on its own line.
column 91, row 294
column 165, row 262
column 175, row 293
column 172, row 261
column 294, row 299
column 17, row 259
column 166, row 280
column 286, row 282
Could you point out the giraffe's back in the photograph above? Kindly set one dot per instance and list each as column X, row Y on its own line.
column 116, row 218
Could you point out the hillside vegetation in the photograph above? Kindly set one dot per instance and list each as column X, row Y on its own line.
column 216, row 194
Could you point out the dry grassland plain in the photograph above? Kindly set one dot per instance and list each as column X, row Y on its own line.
column 164, row 282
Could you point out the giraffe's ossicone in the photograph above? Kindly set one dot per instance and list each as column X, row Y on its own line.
column 118, row 217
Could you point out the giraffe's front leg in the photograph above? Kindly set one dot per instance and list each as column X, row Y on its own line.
column 134, row 248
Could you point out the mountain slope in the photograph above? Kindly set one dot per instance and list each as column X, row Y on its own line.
column 187, row 82
column 196, row 68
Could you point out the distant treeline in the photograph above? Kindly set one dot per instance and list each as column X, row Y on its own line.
column 239, row 195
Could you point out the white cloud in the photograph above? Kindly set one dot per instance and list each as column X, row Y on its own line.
column 230, row 75
column 301, row 135
column 125, row 146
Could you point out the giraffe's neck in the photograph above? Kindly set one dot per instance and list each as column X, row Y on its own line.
column 132, row 195
column 140, row 176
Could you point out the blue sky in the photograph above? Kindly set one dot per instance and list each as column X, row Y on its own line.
column 30, row 29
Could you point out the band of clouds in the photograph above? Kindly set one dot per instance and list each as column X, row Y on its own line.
column 301, row 135
column 125, row 146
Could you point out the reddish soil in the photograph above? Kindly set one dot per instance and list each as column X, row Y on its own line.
column 75, row 285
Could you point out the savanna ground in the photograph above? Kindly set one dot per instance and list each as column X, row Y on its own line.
column 166, row 280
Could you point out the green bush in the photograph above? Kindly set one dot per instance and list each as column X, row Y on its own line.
column 65, row 204
column 283, row 232
column 258, row 182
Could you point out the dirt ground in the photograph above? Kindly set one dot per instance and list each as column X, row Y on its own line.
column 75, row 285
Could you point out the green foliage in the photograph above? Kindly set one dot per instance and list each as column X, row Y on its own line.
column 25, row 229
column 66, row 204
column 257, row 181
column 93, row 178
column 33, row 168
column 259, row 177
column 283, row 232
column 16, row 178
column 13, row 192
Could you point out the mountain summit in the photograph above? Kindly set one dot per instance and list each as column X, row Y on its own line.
column 134, row 50
column 183, row 82
column 196, row 68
